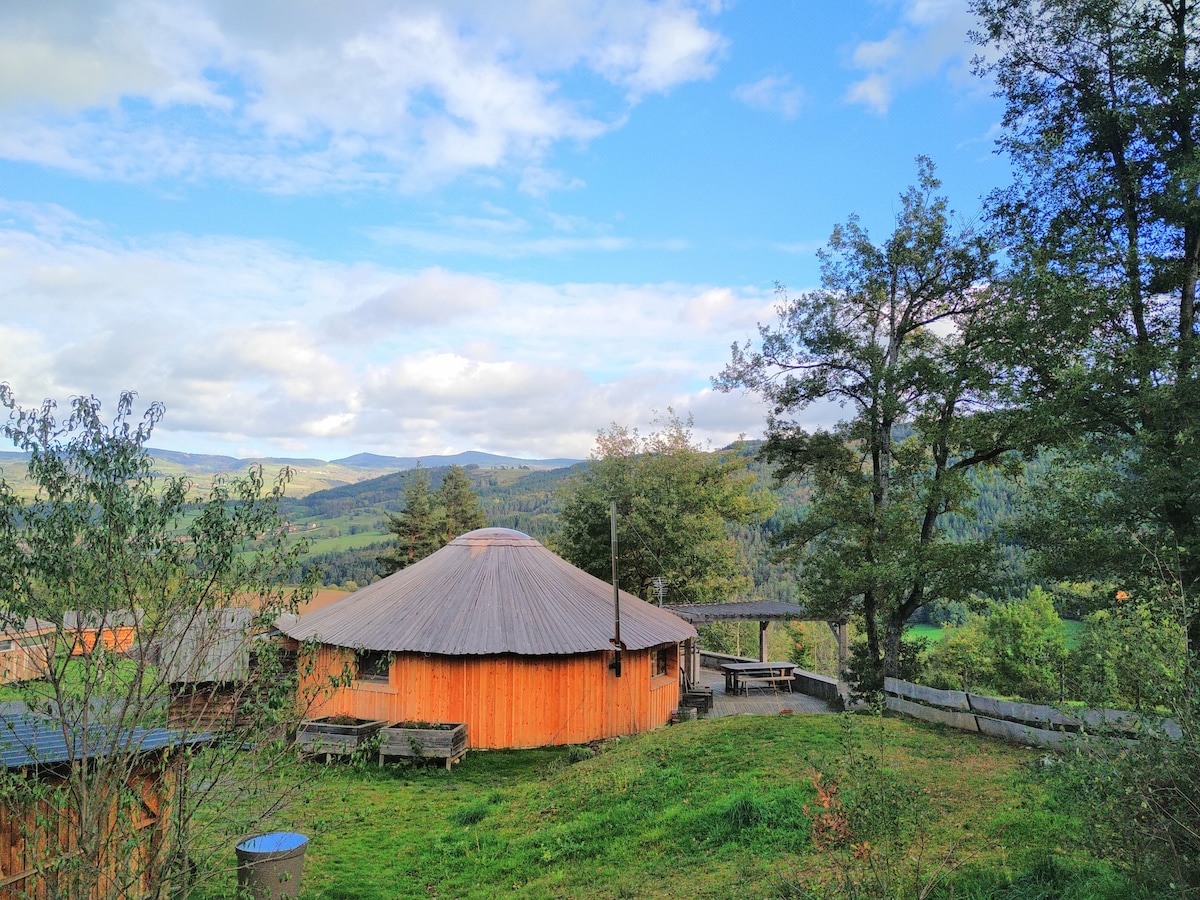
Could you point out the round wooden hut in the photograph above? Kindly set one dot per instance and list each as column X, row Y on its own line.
column 496, row 631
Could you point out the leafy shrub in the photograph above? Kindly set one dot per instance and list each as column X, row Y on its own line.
column 1139, row 801
column 961, row 660
column 1026, row 646
column 868, row 680
column 1131, row 656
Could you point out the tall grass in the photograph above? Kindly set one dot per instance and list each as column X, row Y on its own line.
column 709, row 809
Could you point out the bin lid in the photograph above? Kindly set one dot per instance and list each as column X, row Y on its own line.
column 275, row 842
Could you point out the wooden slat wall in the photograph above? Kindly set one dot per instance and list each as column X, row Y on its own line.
column 23, row 663
column 512, row 701
column 36, row 835
column 118, row 639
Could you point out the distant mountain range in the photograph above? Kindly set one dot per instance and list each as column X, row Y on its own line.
column 207, row 462
column 307, row 475
column 466, row 458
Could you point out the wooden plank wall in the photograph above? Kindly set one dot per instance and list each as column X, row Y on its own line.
column 35, row 835
column 117, row 639
column 24, row 661
column 512, row 701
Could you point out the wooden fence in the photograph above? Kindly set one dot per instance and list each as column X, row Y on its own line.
column 1022, row 723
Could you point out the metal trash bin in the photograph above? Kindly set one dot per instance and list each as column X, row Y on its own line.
column 270, row 865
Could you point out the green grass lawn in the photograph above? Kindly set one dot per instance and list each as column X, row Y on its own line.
column 933, row 633
column 710, row 809
column 322, row 544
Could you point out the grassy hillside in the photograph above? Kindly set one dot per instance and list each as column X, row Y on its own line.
column 722, row 808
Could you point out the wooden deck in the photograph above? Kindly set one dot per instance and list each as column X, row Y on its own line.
column 760, row 701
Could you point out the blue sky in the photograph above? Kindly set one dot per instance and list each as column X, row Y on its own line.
column 317, row 228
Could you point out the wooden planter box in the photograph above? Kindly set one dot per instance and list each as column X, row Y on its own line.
column 333, row 734
column 430, row 740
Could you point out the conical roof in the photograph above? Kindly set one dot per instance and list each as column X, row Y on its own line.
column 490, row 591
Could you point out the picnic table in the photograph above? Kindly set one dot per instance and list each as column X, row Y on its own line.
column 737, row 675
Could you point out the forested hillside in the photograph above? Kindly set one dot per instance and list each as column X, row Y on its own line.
column 347, row 524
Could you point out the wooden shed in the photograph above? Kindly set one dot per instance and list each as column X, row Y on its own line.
column 211, row 646
column 39, row 822
column 114, row 630
column 24, row 649
column 496, row 631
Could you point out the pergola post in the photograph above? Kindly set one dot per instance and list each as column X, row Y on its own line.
column 691, row 660
column 762, row 641
column 839, row 631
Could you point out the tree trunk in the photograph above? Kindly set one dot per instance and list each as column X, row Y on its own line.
column 891, row 648
column 874, row 676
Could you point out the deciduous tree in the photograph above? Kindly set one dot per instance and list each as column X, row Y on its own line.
column 107, row 543
column 674, row 505
column 894, row 335
column 1102, row 123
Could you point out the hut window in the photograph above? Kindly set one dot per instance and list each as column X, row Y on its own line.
column 374, row 665
column 7, row 645
column 662, row 661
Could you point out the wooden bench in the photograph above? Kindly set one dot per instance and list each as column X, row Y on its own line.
column 699, row 698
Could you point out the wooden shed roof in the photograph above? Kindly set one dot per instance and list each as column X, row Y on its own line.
column 31, row 740
column 14, row 627
column 488, row 592
column 742, row 611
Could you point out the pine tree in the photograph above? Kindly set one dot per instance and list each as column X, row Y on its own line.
column 459, row 504
column 419, row 528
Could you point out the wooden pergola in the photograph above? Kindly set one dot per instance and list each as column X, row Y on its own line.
column 762, row 611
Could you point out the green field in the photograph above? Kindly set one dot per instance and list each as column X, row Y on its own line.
column 933, row 633
column 721, row 808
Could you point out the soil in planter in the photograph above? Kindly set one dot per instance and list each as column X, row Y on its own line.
column 427, row 726
column 342, row 719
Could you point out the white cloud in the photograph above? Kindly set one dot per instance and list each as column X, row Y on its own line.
column 774, row 94
column 434, row 296
column 931, row 40
column 506, row 240
column 301, row 97
column 874, row 91
column 673, row 49
column 249, row 344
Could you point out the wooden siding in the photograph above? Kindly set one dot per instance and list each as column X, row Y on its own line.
column 115, row 639
column 510, row 700
column 28, row 658
column 34, row 836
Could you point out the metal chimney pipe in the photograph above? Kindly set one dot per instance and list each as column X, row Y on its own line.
column 612, row 517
